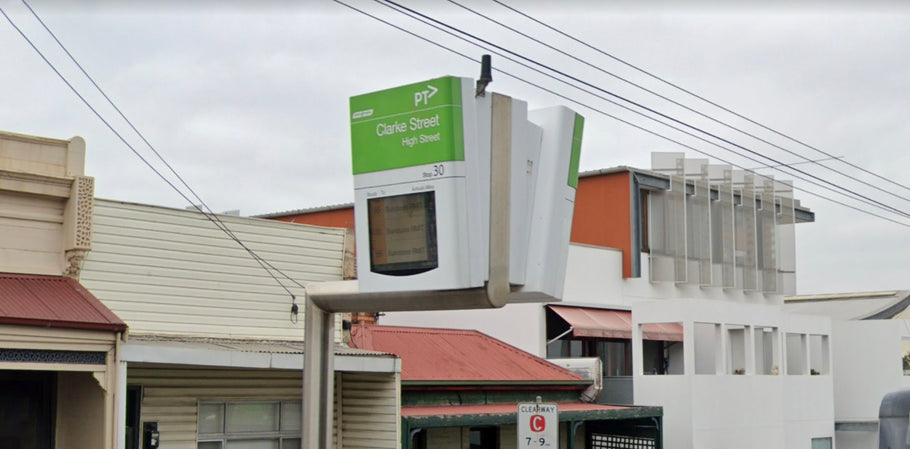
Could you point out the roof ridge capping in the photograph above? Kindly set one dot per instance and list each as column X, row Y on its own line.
column 844, row 296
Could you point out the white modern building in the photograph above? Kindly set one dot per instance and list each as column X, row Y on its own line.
column 871, row 356
column 676, row 280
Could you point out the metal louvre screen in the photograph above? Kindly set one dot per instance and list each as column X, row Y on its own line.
column 767, row 237
column 668, row 221
column 744, row 216
column 786, row 237
column 600, row 441
column 698, row 230
column 723, row 253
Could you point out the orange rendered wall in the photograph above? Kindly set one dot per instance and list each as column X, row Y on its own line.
column 603, row 214
column 337, row 218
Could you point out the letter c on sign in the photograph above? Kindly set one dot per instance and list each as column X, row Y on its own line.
column 538, row 423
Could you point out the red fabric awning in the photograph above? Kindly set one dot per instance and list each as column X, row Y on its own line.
column 52, row 301
column 606, row 323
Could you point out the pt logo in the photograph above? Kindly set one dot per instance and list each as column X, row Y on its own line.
column 423, row 96
column 538, row 423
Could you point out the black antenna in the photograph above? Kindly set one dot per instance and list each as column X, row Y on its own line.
column 486, row 76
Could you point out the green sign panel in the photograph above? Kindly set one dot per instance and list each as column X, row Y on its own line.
column 576, row 150
column 417, row 124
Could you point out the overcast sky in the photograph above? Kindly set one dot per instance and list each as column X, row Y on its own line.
column 249, row 100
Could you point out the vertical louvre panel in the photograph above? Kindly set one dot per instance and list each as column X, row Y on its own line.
column 698, row 229
column 370, row 404
column 171, row 395
column 786, row 232
column 767, row 224
column 745, row 241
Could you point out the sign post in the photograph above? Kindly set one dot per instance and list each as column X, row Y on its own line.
column 538, row 425
column 462, row 200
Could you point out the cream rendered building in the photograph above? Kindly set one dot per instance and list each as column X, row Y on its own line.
column 59, row 346
column 214, row 354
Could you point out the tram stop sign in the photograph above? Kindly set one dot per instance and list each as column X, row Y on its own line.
column 538, row 425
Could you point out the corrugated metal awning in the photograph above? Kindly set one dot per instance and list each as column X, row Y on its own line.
column 53, row 301
column 608, row 323
column 234, row 353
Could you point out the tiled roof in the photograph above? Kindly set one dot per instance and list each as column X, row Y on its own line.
column 52, row 301
column 449, row 355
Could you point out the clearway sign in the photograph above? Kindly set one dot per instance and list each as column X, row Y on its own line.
column 538, row 425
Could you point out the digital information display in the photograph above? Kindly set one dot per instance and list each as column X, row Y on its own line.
column 403, row 234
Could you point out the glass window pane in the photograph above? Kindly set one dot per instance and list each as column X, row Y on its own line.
column 211, row 418
column 208, row 445
column 252, row 444
column 290, row 416
column 251, row 417
column 290, row 443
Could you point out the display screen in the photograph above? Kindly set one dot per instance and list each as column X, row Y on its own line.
column 403, row 234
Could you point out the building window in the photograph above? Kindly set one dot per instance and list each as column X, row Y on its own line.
column 767, row 351
column 249, row 425
column 615, row 354
column 821, row 443
column 662, row 348
column 819, row 363
column 483, row 437
column 736, row 348
column 707, row 345
column 644, row 195
column 796, row 354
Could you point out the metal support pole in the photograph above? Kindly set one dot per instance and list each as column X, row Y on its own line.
column 325, row 298
column 318, row 377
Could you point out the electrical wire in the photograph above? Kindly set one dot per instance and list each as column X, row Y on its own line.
column 431, row 24
column 697, row 96
column 674, row 102
column 646, row 108
column 606, row 114
column 211, row 216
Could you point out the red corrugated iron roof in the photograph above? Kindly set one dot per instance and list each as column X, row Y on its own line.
column 450, row 355
column 496, row 409
column 52, row 301
column 606, row 323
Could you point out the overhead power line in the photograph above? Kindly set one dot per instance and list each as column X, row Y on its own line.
column 676, row 103
column 205, row 210
column 699, row 97
column 606, row 114
column 646, row 108
column 445, row 28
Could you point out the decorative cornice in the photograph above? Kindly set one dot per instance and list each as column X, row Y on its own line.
column 36, row 184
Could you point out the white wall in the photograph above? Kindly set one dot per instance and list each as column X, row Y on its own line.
column 708, row 411
column 867, row 365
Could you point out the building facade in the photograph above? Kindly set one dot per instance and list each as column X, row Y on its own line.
column 215, row 354
column 59, row 345
column 871, row 356
column 675, row 279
